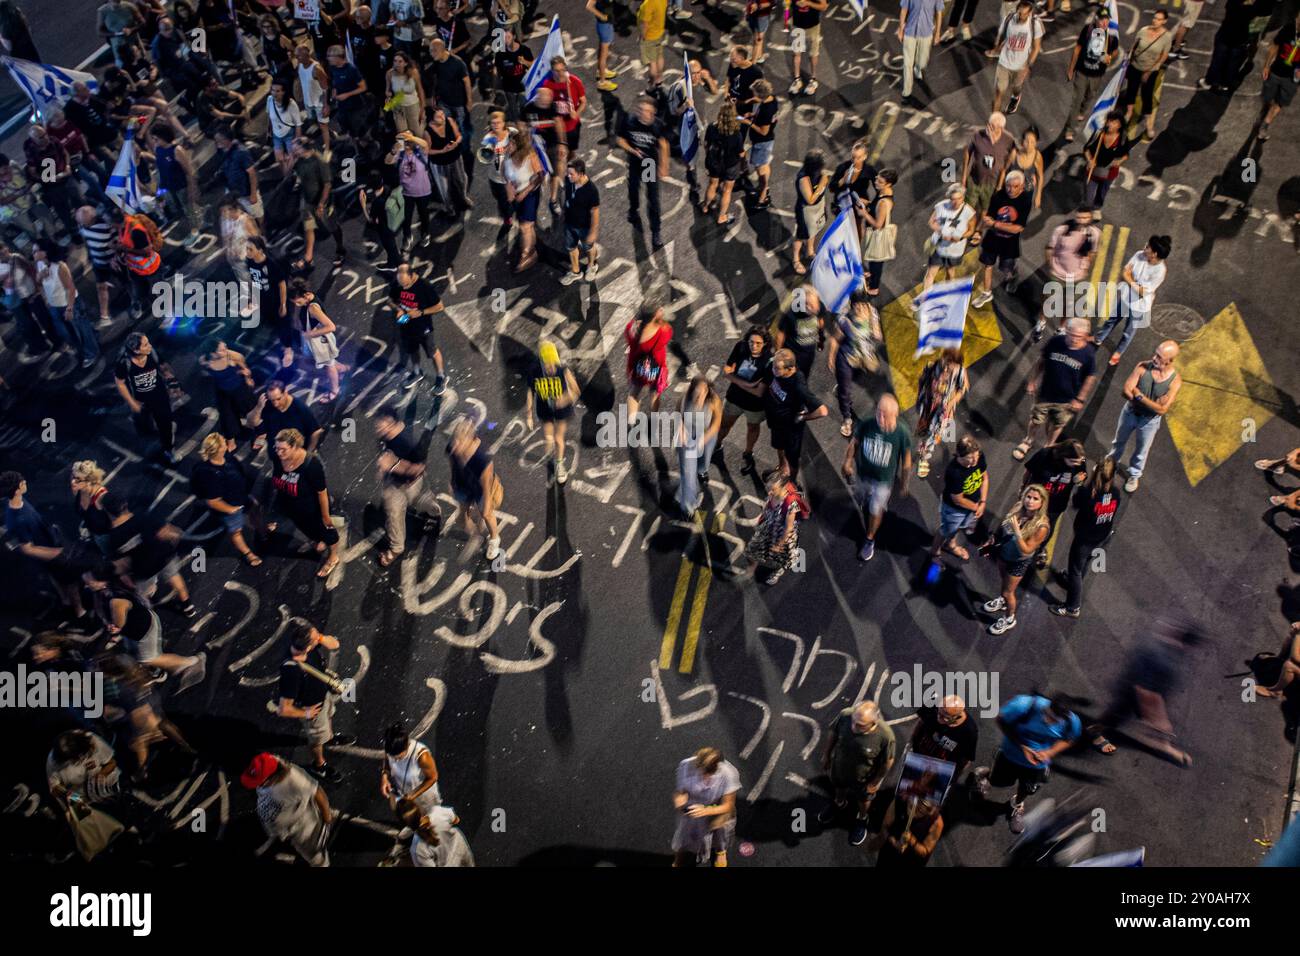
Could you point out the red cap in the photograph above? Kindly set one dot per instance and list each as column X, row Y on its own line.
column 259, row 770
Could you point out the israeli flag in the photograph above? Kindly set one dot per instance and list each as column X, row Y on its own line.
column 540, row 147
column 1105, row 102
column 861, row 7
column 46, row 85
column 836, row 270
column 942, row 313
column 689, row 139
column 1112, row 30
column 540, row 71
column 123, row 186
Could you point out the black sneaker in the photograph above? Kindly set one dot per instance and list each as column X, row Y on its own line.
column 440, row 385
column 341, row 740
column 1047, row 16
column 188, row 609
column 326, row 774
column 1013, row 104
column 747, row 461
column 859, row 834
column 1179, row 54
column 1060, row 610
column 1038, row 332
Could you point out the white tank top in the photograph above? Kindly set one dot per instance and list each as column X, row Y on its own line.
column 56, row 296
column 405, row 775
column 519, row 174
column 312, row 95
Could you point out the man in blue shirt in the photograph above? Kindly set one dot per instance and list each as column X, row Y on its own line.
column 918, row 31
column 349, row 90
column 1034, row 730
column 239, row 172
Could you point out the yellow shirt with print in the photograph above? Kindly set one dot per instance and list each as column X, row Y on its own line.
column 653, row 13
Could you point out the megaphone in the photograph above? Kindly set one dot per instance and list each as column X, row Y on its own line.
column 486, row 154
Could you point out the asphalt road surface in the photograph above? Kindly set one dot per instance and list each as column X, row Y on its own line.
column 560, row 690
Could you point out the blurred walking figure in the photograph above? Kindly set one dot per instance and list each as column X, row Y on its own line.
column 701, row 416
column 1154, row 670
column 705, row 798
column 942, row 386
column 1035, row 730
column 775, row 544
column 438, row 841
column 401, row 470
column 291, row 805
column 475, row 485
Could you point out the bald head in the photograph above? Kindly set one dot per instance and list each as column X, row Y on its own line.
column 887, row 412
column 952, row 710
column 866, row 716
column 1166, row 354
column 997, row 122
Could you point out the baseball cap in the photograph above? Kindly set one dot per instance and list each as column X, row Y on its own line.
column 259, row 770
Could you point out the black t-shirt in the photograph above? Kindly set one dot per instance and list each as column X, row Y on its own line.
column 644, row 136
column 1154, row 667
column 299, row 686
column 144, row 382
column 804, row 18
column 535, row 113
column 1094, row 43
column 751, row 370
column 1107, row 155
column 1094, row 519
column 419, row 295
column 802, row 331
column 1058, row 479
column 941, row 742
column 136, row 538
column 786, row 398
column 1064, row 370
column 764, row 115
column 226, row 481
column 266, row 278
column 1286, row 65
column 546, row 387
column 467, row 478
column 297, row 415
column 741, row 80
column 579, row 201
column 860, row 187
column 960, row 480
column 449, row 81
column 723, row 150
column 512, row 66
column 296, row 491
column 453, row 32
column 407, row 449
column 1015, row 211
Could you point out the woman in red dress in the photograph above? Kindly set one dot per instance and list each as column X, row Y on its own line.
column 647, row 338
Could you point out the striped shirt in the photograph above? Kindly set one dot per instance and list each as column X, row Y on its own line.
column 99, row 243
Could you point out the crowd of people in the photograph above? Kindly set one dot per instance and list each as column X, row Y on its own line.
column 393, row 94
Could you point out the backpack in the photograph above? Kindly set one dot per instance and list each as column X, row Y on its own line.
column 133, row 221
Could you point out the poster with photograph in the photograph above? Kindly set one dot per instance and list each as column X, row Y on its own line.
column 925, row 778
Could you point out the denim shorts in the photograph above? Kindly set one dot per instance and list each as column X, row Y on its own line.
column 874, row 495
column 283, row 143
column 604, row 31
column 947, row 262
column 233, row 522
column 760, row 154
column 953, row 519
column 576, row 239
column 758, row 25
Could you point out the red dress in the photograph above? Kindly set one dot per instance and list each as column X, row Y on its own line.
column 647, row 362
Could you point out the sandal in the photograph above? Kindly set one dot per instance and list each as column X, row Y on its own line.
column 800, row 269
column 922, row 469
column 1277, row 501
column 1102, row 745
column 1265, row 464
column 252, row 560
column 386, row 558
column 956, row 549
column 327, row 568
column 1021, row 450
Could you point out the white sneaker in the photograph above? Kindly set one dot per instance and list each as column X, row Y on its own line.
column 797, row 86
column 999, row 603
column 916, row 72
column 493, row 548
column 570, row 277
column 810, row 88
column 561, row 473
column 592, row 270
column 1002, row 625
column 981, row 299
column 1132, row 484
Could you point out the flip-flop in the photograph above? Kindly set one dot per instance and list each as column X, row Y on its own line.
column 800, row 269
column 252, row 560
column 327, row 569
column 1021, row 450
column 958, row 550
column 1102, row 745
column 1263, row 465
column 1277, row 501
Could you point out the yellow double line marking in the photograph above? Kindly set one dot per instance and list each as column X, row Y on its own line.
column 1099, row 265
column 678, row 605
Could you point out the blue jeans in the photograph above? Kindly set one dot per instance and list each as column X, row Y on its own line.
column 1146, row 428
column 1132, row 319
column 79, row 333
column 693, row 460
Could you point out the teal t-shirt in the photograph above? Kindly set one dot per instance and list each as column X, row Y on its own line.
column 877, row 453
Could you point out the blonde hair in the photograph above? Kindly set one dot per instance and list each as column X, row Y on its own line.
column 211, row 445
column 88, row 472
column 1039, row 519
column 727, row 121
column 291, row 437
